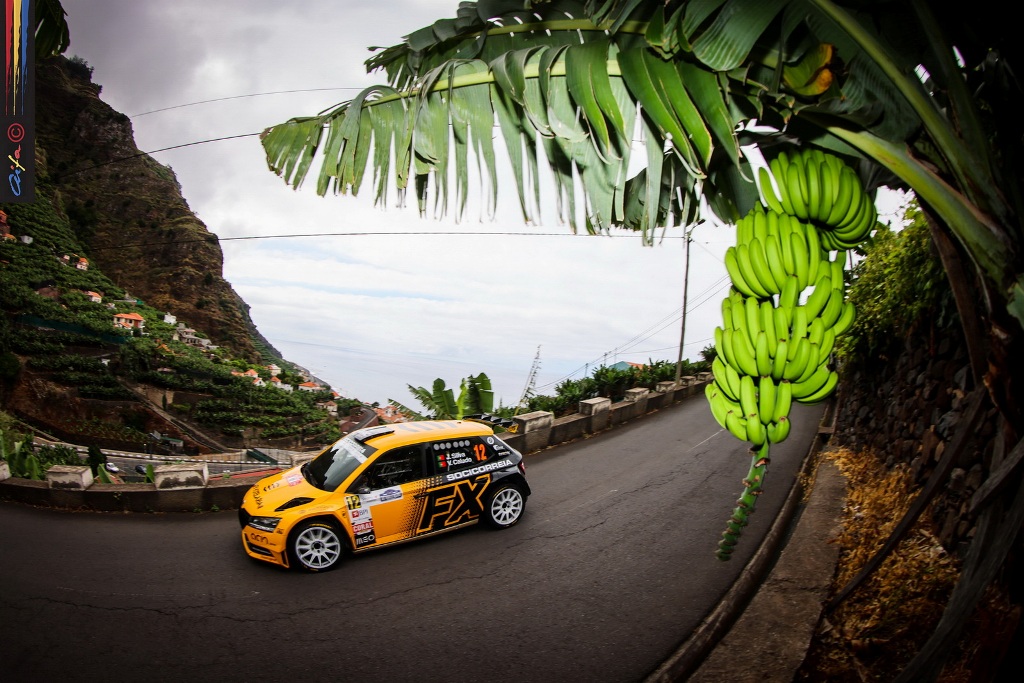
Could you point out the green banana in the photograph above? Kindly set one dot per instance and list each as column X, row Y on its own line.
column 759, row 262
column 834, row 307
column 743, row 351
column 761, row 355
column 828, row 342
column 783, row 400
column 814, row 256
column 778, row 431
column 811, row 384
column 800, row 258
column 712, row 394
column 794, row 174
column 818, row 297
column 747, row 270
column 752, row 318
column 824, row 392
column 748, row 397
column 800, row 361
column 781, row 324
column 790, row 296
column 812, row 183
column 815, row 331
column 732, row 266
column 778, row 171
column 759, row 221
column 768, row 325
column 736, row 425
column 848, row 182
column 779, row 360
column 845, row 319
column 773, row 253
column 800, row 322
column 814, row 364
column 756, row 434
column 825, row 190
column 766, row 398
column 767, row 190
column 718, row 371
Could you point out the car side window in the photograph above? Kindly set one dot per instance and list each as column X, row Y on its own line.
column 394, row 468
column 454, row 454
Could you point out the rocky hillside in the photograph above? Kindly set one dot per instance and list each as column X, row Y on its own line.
column 91, row 272
column 127, row 212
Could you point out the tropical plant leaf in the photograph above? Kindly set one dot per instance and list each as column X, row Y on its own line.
column 738, row 25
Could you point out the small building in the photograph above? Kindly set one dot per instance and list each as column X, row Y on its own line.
column 94, row 297
column 310, row 386
column 129, row 321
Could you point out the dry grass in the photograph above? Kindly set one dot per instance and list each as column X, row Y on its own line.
column 879, row 627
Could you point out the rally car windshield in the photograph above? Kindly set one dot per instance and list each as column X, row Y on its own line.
column 327, row 470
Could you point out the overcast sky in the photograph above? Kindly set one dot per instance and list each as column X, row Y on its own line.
column 373, row 314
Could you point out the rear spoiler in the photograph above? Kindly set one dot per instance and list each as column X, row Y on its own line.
column 506, row 424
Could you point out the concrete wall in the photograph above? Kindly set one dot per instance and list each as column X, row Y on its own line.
column 189, row 488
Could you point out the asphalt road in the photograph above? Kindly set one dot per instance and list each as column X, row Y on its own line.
column 610, row 569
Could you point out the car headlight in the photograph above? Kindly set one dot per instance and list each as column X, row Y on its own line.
column 264, row 523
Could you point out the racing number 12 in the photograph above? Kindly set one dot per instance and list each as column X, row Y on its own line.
column 480, row 452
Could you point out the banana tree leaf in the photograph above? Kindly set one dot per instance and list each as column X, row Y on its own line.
column 738, row 25
column 472, row 121
column 586, row 72
column 709, row 98
column 649, row 79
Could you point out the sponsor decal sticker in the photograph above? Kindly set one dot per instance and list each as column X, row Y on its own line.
column 480, row 469
column 259, row 538
column 360, row 515
column 294, row 479
column 453, row 504
column 390, row 494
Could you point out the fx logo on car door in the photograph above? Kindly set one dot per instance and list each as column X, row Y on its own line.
column 453, row 504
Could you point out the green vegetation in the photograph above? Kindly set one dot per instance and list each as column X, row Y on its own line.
column 612, row 383
column 900, row 281
column 475, row 397
column 51, row 325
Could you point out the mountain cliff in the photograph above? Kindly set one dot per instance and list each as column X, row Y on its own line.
column 116, row 323
column 127, row 212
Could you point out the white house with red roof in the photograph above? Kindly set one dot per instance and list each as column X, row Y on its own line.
column 129, row 321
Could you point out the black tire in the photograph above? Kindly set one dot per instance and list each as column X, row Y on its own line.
column 315, row 546
column 505, row 507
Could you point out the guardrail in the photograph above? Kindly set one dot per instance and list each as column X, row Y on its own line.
column 188, row 487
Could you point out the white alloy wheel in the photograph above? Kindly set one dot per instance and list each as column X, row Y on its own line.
column 316, row 546
column 505, row 507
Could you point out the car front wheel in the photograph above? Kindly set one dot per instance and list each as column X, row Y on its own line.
column 504, row 507
column 315, row 546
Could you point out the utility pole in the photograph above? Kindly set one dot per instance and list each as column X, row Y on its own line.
column 686, row 284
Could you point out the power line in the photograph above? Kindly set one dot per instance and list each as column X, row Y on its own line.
column 211, row 237
column 162, row 149
column 708, row 292
column 239, row 97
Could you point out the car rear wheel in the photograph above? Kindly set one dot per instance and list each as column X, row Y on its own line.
column 504, row 507
column 315, row 546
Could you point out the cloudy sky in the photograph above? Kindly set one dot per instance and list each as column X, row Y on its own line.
column 371, row 314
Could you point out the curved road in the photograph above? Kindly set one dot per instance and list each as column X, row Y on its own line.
column 610, row 569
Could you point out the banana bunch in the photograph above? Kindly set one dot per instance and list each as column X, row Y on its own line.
column 771, row 355
column 775, row 254
column 819, row 187
column 786, row 307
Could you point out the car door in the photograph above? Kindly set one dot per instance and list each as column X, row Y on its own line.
column 383, row 501
column 454, row 496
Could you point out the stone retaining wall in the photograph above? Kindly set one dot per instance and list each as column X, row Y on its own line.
column 909, row 411
column 189, row 488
